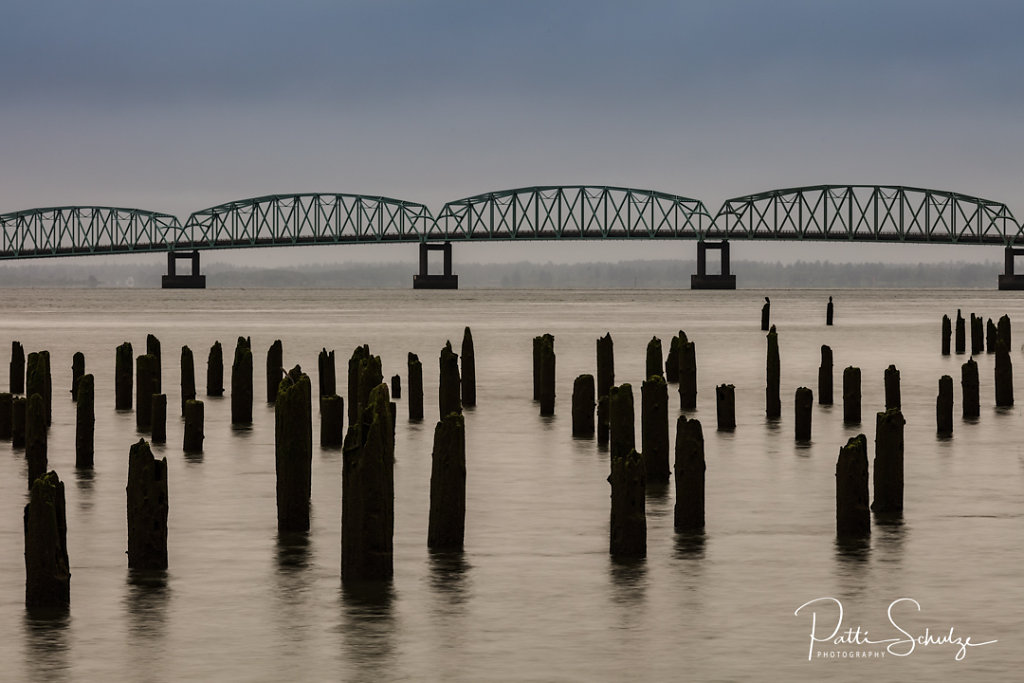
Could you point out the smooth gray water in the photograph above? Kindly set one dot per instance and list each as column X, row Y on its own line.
column 535, row 597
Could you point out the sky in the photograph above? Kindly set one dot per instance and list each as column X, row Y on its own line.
column 177, row 106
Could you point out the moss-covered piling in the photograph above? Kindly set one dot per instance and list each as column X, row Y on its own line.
column 447, row 520
column 47, row 570
column 853, row 515
column 147, row 508
column 293, row 452
column 654, row 428
column 359, row 355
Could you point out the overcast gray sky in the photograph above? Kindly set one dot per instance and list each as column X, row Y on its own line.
column 176, row 106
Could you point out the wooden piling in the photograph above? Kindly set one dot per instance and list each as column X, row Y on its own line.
column 77, row 370
column 969, row 387
column 725, row 407
column 829, row 311
column 275, row 369
column 991, row 333
column 241, row 383
column 888, row 464
column 605, row 381
column 773, row 399
column 583, row 402
column 947, row 333
column 359, row 354
column 124, row 362
column 449, row 384
column 194, row 427
column 293, row 452
column 415, row 375
column 851, row 396
column 654, row 428
column 158, row 414
column 655, row 364
column 396, row 386
column 689, row 470
column 468, row 370
column 153, row 349
column 766, row 314
column 944, row 407
column 977, row 335
column 628, row 537
column 447, row 519
column 687, row 375
column 332, row 421
column 804, row 401
column 17, row 368
column 961, row 333
column 620, row 414
column 547, row 375
column 1004, row 374
column 6, row 415
column 145, row 387
column 371, row 374
column 188, row 377
column 47, row 570
column 327, row 373
column 37, row 381
column 19, row 410
column 892, row 388
column 672, row 361
column 853, row 514
column 35, row 438
column 147, row 508
column 85, row 423
column 1003, row 330
column 215, row 370
column 825, row 377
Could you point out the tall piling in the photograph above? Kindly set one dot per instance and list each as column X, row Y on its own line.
column 215, row 370
column 620, row 413
column 1004, row 374
column 977, row 335
column 275, row 369
column 415, row 376
column 6, row 415
column 803, row 401
column 35, row 438
column 153, row 349
column 396, row 386
column 944, row 407
column 628, row 537
column 85, row 423
column 449, row 384
column 77, row 370
column 368, row 493
column 969, row 387
column 293, row 452
column 332, row 421
column 447, row 519
column 961, row 333
column 38, row 381
column 889, row 462
column 825, row 377
column 327, row 373
column 687, row 375
column 547, row 375
column 583, row 402
column 47, row 570
column 947, row 333
column 851, row 396
column 672, row 361
column 359, row 355
column 158, row 414
column 188, row 377
column 829, row 311
column 1003, row 330
column 147, row 508
column 194, row 427
column 655, row 364
column 468, row 370
column 17, row 368
column 605, row 381
column 892, row 388
column 654, row 428
column 773, row 400
column 991, row 333
column 766, row 314
column 371, row 374
column 145, row 387
column 725, row 407
column 537, row 342
column 241, row 383
column 853, row 514
column 19, row 411
column 690, row 468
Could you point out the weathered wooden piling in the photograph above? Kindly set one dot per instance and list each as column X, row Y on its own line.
column 448, row 387
column 275, row 369
column 6, row 415
column 468, row 370
column 654, row 428
column 888, row 464
column 396, row 386
column 371, row 374
column 687, row 375
column 241, row 383
column 77, row 370
column 672, row 361
column 725, row 407
column 961, row 333
column 37, row 381
column 332, row 421
column 547, row 375
column 158, row 414
column 215, row 370
column 977, row 335
column 447, row 520
column 47, row 570
column 803, row 401
column 851, row 396
column 944, row 407
column 853, row 514
column 188, row 377
column 829, row 311
column 147, row 508
column 947, row 333
column 605, row 381
column 969, row 387
column 620, row 414
column 415, row 376
column 293, row 452
column 773, row 399
column 145, row 387
column 153, row 349
column 583, row 402
column 825, row 377
column 1004, row 374
column 35, row 438
column 991, row 333
column 17, row 368
column 766, row 314
column 1003, row 330
column 194, row 426
column 359, row 354
column 892, row 388
column 326, row 373
column 19, row 410
column 628, row 479
column 368, row 493
column 689, row 470
column 85, row 423
column 655, row 364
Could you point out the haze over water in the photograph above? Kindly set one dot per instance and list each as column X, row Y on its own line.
column 535, row 596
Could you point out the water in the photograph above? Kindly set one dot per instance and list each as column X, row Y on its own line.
column 535, row 597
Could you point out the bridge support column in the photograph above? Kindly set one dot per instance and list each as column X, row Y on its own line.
column 174, row 281
column 424, row 280
column 704, row 280
column 1008, row 280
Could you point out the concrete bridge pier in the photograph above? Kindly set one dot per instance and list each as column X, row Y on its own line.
column 1008, row 280
column 174, row 281
column 705, row 280
column 424, row 280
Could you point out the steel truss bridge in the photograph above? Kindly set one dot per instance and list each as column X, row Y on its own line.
column 853, row 213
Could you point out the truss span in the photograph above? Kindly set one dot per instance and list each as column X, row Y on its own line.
column 77, row 230
column 866, row 213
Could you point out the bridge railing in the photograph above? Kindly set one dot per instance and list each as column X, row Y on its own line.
column 69, row 230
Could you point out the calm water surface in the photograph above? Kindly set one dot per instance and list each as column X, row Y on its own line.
column 535, row 596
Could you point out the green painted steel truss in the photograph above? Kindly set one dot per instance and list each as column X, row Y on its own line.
column 77, row 230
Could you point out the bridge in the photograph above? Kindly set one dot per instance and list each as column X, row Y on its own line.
column 851, row 213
